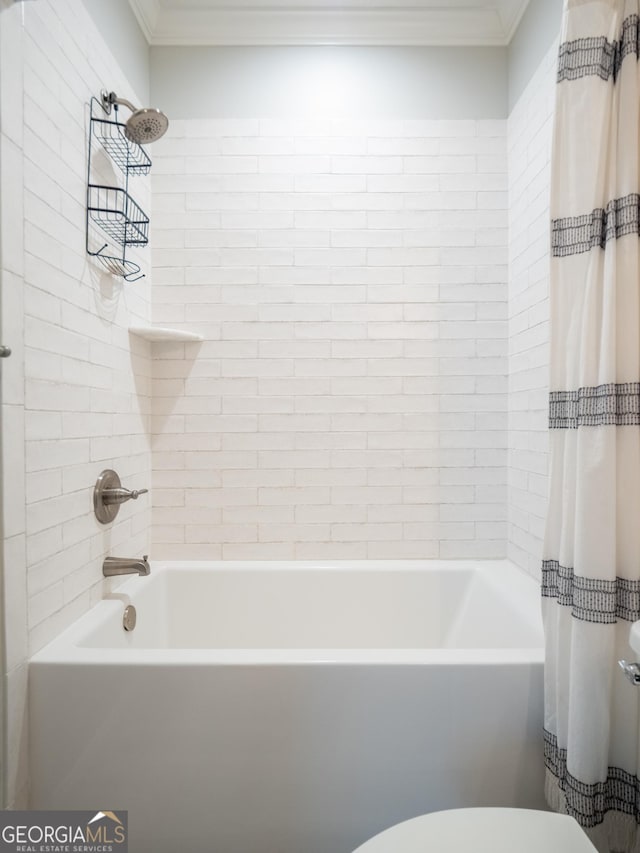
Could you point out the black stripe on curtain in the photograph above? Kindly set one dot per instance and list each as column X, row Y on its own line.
column 599, row 405
column 590, row 803
column 590, row 599
column 596, row 56
column 577, row 234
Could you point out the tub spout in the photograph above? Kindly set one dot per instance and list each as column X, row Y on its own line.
column 113, row 566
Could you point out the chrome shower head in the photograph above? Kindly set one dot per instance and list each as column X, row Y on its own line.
column 145, row 125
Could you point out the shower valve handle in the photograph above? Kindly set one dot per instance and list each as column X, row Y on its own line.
column 109, row 493
column 120, row 495
column 631, row 671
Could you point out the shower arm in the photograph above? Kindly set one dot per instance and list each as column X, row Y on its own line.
column 110, row 98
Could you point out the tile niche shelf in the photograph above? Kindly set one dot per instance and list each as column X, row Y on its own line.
column 158, row 334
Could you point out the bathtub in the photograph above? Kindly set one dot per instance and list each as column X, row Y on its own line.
column 293, row 707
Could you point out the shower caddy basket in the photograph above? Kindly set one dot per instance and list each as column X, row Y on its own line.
column 111, row 208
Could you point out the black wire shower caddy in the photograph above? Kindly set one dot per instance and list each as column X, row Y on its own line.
column 116, row 214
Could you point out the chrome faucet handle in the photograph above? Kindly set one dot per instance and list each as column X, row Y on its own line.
column 631, row 671
column 108, row 494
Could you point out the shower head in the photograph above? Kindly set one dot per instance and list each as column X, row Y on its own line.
column 144, row 125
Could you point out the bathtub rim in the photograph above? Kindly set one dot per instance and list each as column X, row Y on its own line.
column 65, row 648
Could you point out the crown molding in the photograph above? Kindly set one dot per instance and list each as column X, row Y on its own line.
column 512, row 13
column 147, row 13
column 309, row 22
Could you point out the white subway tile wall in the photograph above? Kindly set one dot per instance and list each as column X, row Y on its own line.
column 76, row 390
column 15, row 640
column 349, row 399
column 530, row 131
column 368, row 385
column 87, row 381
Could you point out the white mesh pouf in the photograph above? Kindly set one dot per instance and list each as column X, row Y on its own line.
column 483, row 831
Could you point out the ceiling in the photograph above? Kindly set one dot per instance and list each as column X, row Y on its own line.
column 393, row 22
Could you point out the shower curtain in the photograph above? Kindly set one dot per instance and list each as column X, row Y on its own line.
column 591, row 560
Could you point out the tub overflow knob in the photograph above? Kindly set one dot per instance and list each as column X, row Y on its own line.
column 129, row 618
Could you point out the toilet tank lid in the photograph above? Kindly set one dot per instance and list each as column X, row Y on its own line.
column 483, row 830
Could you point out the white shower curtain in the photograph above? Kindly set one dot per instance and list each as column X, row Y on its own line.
column 591, row 565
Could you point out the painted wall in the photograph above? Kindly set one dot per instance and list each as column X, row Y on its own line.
column 75, row 392
column 537, row 34
column 121, row 33
column 330, row 82
column 349, row 398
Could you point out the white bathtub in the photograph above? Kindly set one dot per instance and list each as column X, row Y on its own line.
column 293, row 708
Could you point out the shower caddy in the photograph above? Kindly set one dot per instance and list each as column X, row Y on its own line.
column 111, row 208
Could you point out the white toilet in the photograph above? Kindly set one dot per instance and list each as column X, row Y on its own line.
column 483, row 831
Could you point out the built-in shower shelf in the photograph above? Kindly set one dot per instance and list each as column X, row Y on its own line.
column 162, row 333
column 118, row 215
column 128, row 155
